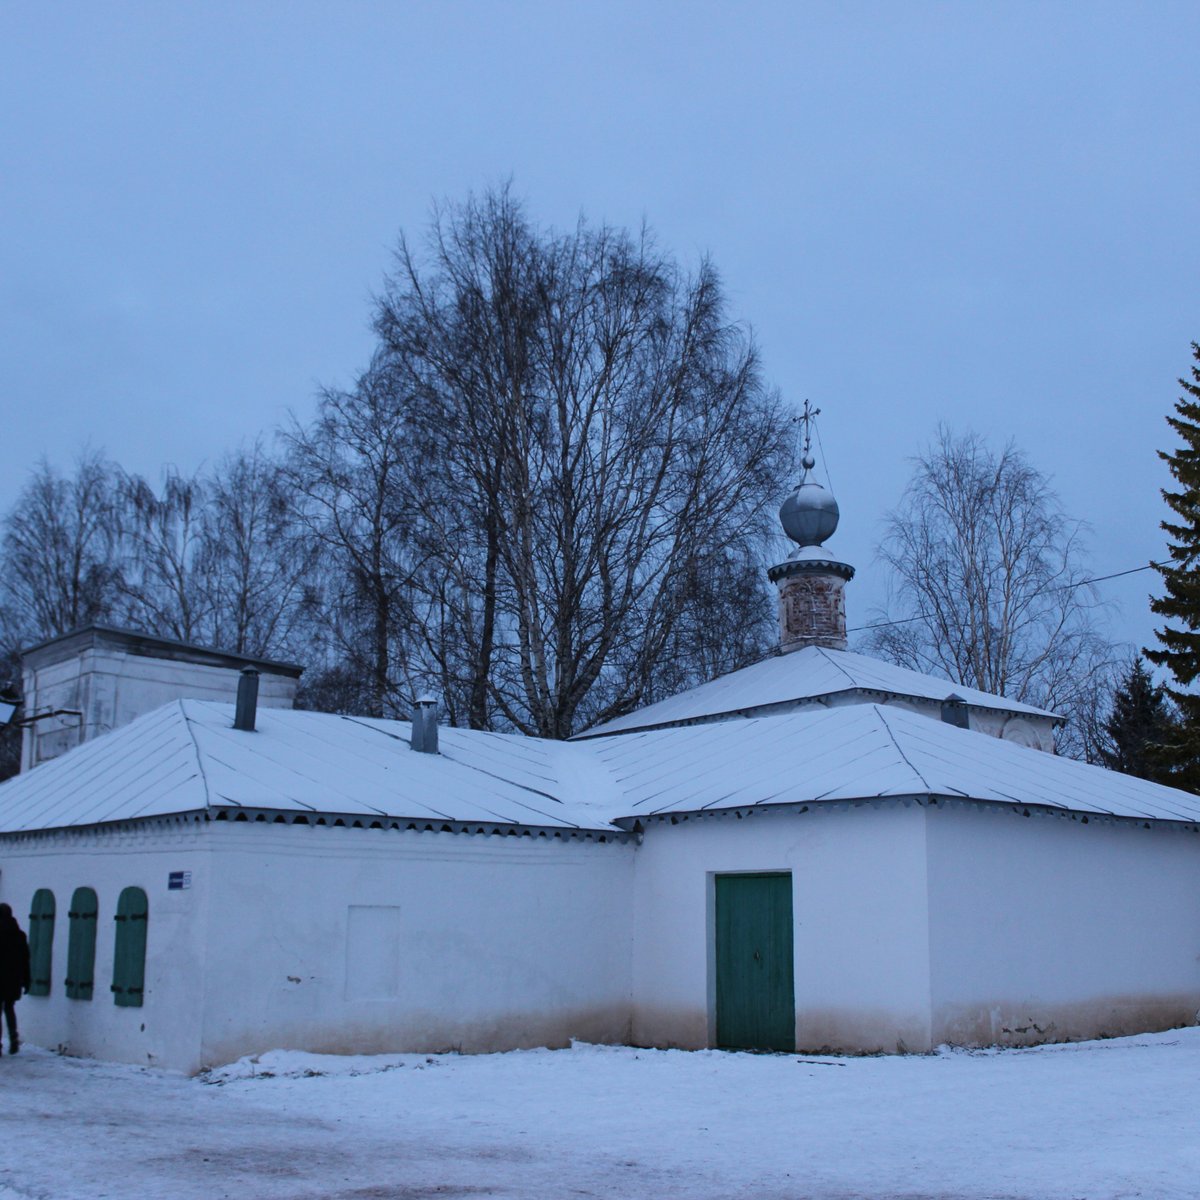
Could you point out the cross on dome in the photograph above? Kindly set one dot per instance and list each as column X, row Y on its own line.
column 809, row 516
column 807, row 417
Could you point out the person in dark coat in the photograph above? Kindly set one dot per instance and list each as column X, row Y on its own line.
column 14, row 971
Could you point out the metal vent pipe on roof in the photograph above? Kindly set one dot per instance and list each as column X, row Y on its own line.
column 247, row 700
column 425, row 725
column 954, row 711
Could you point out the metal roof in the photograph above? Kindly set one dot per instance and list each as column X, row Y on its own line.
column 808, row 675
column 133, row 641
column 186, row 757
column 863, row 752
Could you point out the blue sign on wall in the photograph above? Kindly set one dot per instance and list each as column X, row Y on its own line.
column 178, row 880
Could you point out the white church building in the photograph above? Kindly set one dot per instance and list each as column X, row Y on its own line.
column 819, row 852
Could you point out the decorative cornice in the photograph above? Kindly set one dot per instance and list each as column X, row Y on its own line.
column 809, row 566
column 932, row 801
column 267, row 816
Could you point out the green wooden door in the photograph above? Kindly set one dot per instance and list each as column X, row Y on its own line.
column 41, row 941
column 81, row 944
column 756, row 1002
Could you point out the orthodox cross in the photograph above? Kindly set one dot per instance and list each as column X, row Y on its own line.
column 807, row 417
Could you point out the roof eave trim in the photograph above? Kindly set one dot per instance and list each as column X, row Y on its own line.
column 118, row 633
column 924, row 799
column 196, row 815
column 239, row 815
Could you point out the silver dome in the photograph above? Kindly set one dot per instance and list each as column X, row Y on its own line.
column 809, row 515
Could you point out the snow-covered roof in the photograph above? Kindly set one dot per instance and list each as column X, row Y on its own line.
column 863, row 752
column 70, row 645
column 186, row 757
column 807, row 675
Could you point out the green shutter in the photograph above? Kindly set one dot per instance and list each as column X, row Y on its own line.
column 755, row 993
column 129, row 954
column 41, row 941
column 81, row 944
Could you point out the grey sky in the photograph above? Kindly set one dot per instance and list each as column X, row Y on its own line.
column 928, row 212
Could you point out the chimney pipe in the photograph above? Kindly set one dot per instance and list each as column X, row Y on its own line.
column 247, row 700
column 954, row 711
column 425, row 725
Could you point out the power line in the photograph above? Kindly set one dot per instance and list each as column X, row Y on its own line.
column 1058, row 587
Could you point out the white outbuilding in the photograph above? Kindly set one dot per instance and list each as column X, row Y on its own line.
column 820, row 852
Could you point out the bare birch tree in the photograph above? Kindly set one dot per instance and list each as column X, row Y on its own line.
column 351, row 474
column 214, row 558
column 166, row 583
column 988, row 586
column 61, row 550
column 59, row 568
column 257, row 565
column 593, row 427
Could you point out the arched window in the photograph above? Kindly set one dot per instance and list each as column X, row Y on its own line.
column 129, row 955
column 41, row 941
column 81, row 944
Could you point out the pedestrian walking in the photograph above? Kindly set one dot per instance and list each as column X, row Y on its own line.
column 14, row 971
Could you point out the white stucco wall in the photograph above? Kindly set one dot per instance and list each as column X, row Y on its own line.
column 922, row 925
column 110, row 688
column 1035, row 732
column 912, row 925
column 462, row 941
column 859, row 913
column 165, row 1031
column 471, row 942
column 1044, row 928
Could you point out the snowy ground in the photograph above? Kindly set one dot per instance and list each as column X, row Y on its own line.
column 1098, row 1119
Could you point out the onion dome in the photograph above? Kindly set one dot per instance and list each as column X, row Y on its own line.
column 809, row 516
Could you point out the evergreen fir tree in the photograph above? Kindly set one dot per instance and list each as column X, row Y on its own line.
column 1140, row 725
column 1179, row 637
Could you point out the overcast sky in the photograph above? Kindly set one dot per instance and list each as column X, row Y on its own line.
column 983, row 215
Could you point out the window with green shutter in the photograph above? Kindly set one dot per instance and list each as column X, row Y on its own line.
column 81, row 944
column 129, row 956
column 41, row 941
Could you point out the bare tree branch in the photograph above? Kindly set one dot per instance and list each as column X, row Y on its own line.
column 592, row 428
column 987, row 585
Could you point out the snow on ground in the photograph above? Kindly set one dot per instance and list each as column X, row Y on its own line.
column 1075, row 1122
